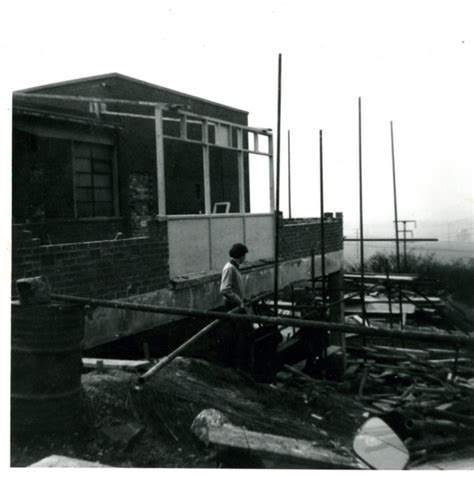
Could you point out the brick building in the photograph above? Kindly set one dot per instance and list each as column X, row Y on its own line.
column 124, row 189
column 84, row 172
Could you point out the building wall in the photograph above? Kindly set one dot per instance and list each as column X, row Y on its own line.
column 105, row 269
column 138, row 269
column 136, row 156
column 299, row 236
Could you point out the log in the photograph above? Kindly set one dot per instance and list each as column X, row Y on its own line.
column 213, row 429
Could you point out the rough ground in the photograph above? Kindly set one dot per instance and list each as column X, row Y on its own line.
column 167, row 405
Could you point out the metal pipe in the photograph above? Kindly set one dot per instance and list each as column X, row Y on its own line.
column 361, row 216
column 395, row 199
column 289, row 175
column 347, row 239
column 174, row 354
column 298, row 323
column 321, row 187
column 277, row 210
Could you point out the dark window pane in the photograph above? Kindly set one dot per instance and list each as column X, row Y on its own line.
column 83, row 180
column 194, row 131
column 103, row 209
column 102, row 180
column 234, row 137
column 102, row 166
column 82, row 165
column 101, row 151
column 171, row 128
column 212, row 133
column 103, row 195
column 84, row 194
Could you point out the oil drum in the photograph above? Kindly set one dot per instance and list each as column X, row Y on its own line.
column 46, row 366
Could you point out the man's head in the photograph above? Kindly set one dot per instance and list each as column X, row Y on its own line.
column 238, row 252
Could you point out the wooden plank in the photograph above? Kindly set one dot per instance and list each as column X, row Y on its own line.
column 271, row 173
column 206, row 168
column 97, row 363
column 276, row 451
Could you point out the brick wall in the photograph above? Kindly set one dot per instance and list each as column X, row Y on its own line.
column 299, row 236
column 141, row 200
column 61, row 231
column 105, row 269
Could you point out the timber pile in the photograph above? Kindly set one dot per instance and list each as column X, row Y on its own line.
column 176, row 395
column 426, row 395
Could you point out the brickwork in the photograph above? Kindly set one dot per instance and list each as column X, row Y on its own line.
column 105, row 269
column 141, row 199
column 299, row 236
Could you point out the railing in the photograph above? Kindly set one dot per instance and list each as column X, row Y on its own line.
column 200, row 243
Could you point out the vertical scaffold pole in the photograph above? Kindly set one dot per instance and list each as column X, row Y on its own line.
column 321, row 187
column 361, row 219
column 289, row 175
column 277, row 209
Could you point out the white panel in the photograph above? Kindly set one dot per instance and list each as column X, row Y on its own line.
column 188, row 245
column 225, row 231
column 259, row 237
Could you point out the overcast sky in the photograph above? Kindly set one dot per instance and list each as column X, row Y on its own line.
column 410, row 62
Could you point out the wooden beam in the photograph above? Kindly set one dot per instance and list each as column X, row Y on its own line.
column 240, row 158
column 160, row 161
column 64, row 97
column 275, row 451
column 97, row 363
column 271, row 174
column 206, row 168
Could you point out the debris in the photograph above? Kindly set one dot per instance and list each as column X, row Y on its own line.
column 63, row 461
column 275, row 451
column 34, row 291
column 124, row 433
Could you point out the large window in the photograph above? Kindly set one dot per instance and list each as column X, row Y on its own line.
column 93, row 180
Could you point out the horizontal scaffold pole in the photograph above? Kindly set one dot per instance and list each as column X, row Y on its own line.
column 389, row 239
column 454, row 339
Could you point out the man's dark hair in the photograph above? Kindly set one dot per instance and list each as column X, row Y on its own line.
column 238, row 250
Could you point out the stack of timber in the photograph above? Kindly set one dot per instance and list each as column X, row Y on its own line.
column 426, row 395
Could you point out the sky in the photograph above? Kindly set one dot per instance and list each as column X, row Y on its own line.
column 411, row 62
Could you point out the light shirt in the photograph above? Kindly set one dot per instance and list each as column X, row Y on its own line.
column 232, row 285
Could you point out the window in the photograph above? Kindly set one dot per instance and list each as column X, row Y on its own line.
column 93, row 179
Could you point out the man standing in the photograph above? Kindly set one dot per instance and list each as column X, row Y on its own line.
column 233, row 290
column 232, row 285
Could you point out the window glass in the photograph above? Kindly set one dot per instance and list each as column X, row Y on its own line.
column 83, row 180
column 93, row 170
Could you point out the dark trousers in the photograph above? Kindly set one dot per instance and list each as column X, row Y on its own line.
column 241, row 342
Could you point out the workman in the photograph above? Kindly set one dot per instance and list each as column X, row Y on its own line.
column 232, row 284
column 233, row 290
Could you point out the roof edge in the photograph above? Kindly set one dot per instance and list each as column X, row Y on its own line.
column 127, row 78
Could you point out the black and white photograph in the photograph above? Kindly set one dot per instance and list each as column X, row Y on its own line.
column 238, row 235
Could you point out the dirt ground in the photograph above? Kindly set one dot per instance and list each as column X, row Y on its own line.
column 162, row 419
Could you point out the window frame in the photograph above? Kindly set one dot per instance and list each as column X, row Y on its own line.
column 113, row 178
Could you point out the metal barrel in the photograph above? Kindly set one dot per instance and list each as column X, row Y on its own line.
column 45, row 367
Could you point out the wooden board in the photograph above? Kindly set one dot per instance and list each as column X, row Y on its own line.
column 97, row 363
column 274, row 450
